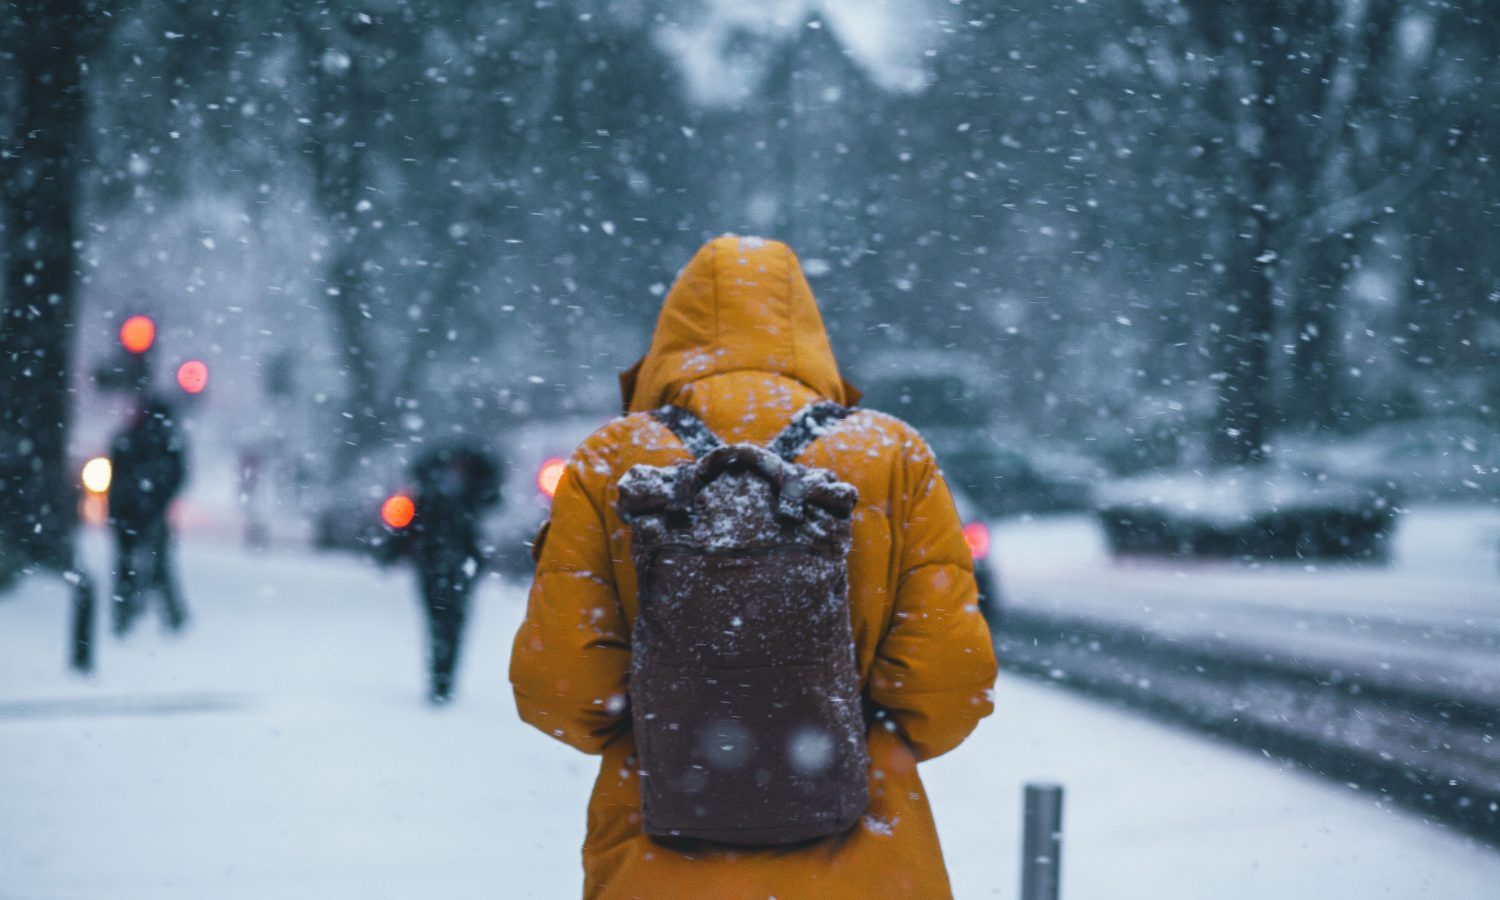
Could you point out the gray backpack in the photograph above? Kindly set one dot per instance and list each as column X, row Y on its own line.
column 744, row 689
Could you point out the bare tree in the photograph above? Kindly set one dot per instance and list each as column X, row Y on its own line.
column 1310, row 120
column 43, row 156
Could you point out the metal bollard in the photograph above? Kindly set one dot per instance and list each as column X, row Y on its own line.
column 1041, row 842
column 81, row 657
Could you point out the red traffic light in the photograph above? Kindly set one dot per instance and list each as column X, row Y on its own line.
column 138, row 333
column 398, row 510
column 192, row 376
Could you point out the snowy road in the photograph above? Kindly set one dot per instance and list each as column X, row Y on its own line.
column 280, row 750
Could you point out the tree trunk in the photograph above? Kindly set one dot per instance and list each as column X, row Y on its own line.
column 344, row 119
column 1314, row 386
column 1244, row 401
column 1244, row 407
column 363, row 400
column 41, row 193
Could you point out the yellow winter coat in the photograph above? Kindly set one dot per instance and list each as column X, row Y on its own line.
column 740, row 343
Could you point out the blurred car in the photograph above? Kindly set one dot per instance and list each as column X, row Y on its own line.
column 539, row 452
column 350, row 516
column 545, row 452
column 1250, row 513
column 347, row 514
column 932, row 393
column 534, row 456
column 977, row 535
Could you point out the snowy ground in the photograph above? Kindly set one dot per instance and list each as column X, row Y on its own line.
column 280, row 750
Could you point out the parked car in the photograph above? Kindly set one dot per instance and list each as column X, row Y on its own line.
column 1256, row 513
column 933, row 393
column 534, row 455
column 350, row 517
column 977, row 535
column 346, row 515
column 539, row 452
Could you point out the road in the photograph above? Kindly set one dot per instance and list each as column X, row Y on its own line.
column 280, row 749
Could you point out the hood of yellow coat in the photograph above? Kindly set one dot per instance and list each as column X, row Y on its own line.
column 741, row 304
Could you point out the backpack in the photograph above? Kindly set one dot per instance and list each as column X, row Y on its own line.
column 744, row 690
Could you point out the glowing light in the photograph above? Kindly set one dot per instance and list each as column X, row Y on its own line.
column 977, row 536
column 550, row 474
column 192, row 376
column 398, row 510
column 138, row 333
column 97, row 474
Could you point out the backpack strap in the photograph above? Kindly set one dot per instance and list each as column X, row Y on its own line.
column 810, row 423
column 695, row 435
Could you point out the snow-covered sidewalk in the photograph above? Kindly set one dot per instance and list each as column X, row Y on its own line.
column 280, row 750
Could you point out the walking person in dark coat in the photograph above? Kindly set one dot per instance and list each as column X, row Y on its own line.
column 149, row 466
column 454, row 485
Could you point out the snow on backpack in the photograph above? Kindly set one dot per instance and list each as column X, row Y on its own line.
column 744, row 690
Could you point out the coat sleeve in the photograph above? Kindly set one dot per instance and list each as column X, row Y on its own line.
column 935, row 666
column 571, row 655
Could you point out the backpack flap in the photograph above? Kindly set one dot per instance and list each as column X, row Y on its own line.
column 745, row 692
column 660, row 490
column 654, row 490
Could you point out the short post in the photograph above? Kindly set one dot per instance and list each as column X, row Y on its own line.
column 81, row 657
column 1041, row 842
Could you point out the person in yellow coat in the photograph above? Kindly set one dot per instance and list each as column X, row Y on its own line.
column 740, row 343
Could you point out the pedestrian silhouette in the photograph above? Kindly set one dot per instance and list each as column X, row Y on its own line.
column 149, row 466
column 454, row 485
